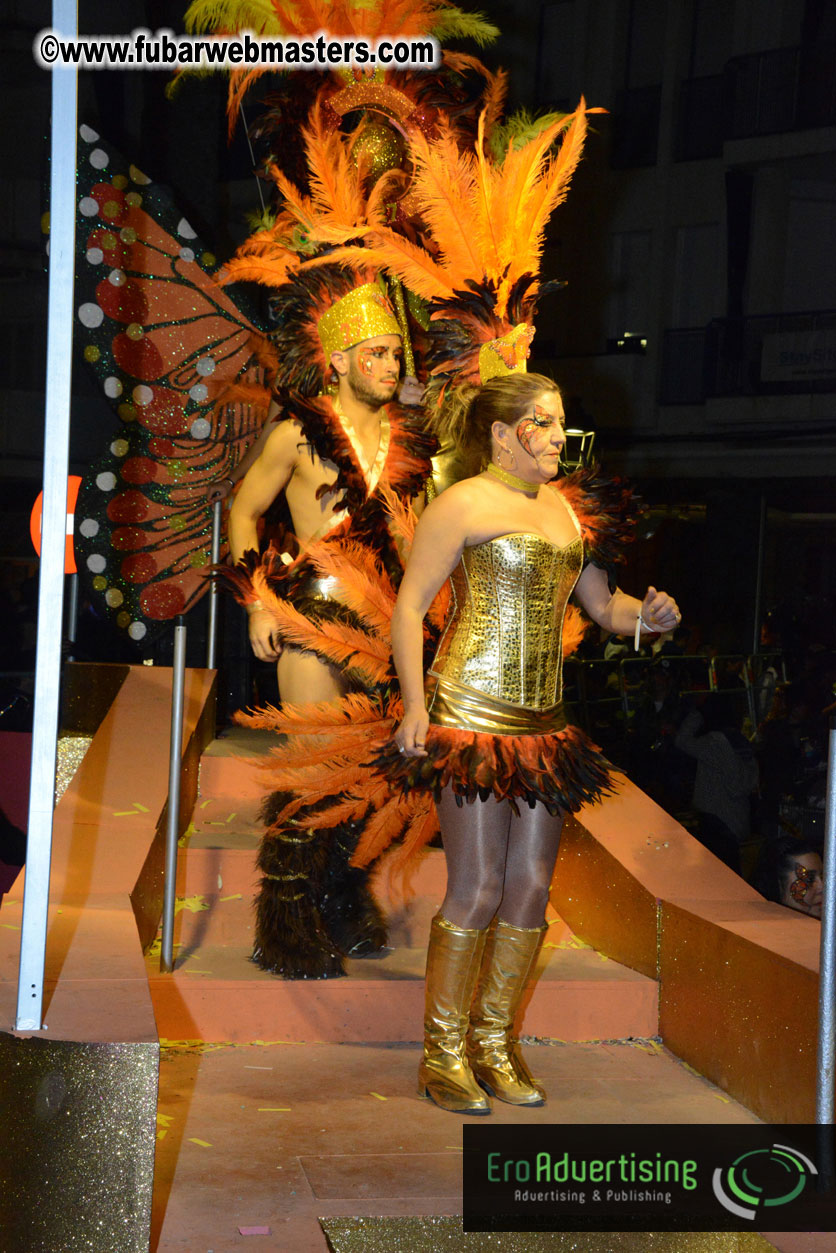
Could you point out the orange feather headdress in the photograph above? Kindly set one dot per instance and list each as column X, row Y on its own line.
column 369, row 20
column 486, row 220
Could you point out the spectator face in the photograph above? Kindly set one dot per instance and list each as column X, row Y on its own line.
column 802, row 886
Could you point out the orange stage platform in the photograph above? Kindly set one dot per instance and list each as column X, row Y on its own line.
column 650, row 936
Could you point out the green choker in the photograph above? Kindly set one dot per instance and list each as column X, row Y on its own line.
column 512, row 480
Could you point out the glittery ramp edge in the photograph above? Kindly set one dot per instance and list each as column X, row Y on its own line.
column 445, row 1235
column 77, row 1150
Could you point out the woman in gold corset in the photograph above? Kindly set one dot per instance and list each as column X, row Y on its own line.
column 486, row 729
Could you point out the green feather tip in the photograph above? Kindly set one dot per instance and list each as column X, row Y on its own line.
column 210, row 15
column 453, row 23
column 517, row 130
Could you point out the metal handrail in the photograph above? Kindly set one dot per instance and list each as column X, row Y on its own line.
column 214, row 591
column 621, row 665
column 178, row 686
column 827, row 963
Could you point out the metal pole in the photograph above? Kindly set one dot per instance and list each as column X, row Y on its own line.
column 212, row 625
column 72, row 615
column 54, row 529
column 178, row 684
column 756, row 625
column 750, row 693
column 827, row 962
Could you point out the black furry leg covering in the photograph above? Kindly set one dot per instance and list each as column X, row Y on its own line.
column 290, row 938
column 350, row 914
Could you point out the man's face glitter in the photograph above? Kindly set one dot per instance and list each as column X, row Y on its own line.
column 374, row 369
column 365, row 361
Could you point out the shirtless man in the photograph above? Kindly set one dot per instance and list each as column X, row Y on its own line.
column 368, row 374
column 313, row 907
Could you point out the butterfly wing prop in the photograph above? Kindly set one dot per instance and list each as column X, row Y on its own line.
column 167, row 343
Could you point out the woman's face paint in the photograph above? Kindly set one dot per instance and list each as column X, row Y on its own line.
column 540, row 434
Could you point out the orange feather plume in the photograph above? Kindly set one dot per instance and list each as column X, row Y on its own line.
column 346, row 646
column 486, row 219
column 362, row 584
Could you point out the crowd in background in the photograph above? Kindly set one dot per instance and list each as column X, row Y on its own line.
column 734, row 747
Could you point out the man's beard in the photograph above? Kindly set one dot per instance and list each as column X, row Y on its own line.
column 363, row 390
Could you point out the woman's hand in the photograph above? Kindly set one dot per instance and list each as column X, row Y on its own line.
column 660, row 612
column 411, row 735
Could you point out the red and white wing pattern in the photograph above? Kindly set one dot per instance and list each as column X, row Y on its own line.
column 165, row 341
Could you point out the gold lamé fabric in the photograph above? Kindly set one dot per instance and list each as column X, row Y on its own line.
column 321, row 587
column 450, row 465
column 503, row 640
column 453, row 705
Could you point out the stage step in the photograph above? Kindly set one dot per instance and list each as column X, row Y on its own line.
column 217, row 994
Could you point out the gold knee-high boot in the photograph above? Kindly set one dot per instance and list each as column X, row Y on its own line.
column 495, row 1057
column 454, row 956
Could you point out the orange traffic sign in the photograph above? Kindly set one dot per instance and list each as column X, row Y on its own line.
column 36, row 522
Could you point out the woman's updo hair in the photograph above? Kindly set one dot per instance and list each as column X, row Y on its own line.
column 465, row 418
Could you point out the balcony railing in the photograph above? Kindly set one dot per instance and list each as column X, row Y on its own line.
column 783, row 90
column 774, row 354
column 766, row 93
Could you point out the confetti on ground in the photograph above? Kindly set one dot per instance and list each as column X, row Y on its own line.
column 275, row 1109
column 204, row 1144
column 187, row 834
column 155, row 948
column 236, row 897
column 190, row 970
column 379, row 1097
column 10, row 926
column 196, row 1046
column 231, row 816
column 143, row 809
column 161, row 1135
column 165, row 1119
column 724, row 1099
column 125, row 813
column 194, row 904
column 571, row 942
column 647, row 1046
column 203, row 804
column 258, row 1067
column 255, row 1231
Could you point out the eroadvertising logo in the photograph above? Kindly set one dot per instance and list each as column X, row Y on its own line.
column 665, row 1177
column 762, row 1178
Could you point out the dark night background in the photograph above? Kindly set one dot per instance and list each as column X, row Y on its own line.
column 700, row 223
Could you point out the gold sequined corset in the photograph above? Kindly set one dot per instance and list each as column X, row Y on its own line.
column 503, row 638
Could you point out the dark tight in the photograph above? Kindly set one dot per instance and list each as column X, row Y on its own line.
column 497, row 863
